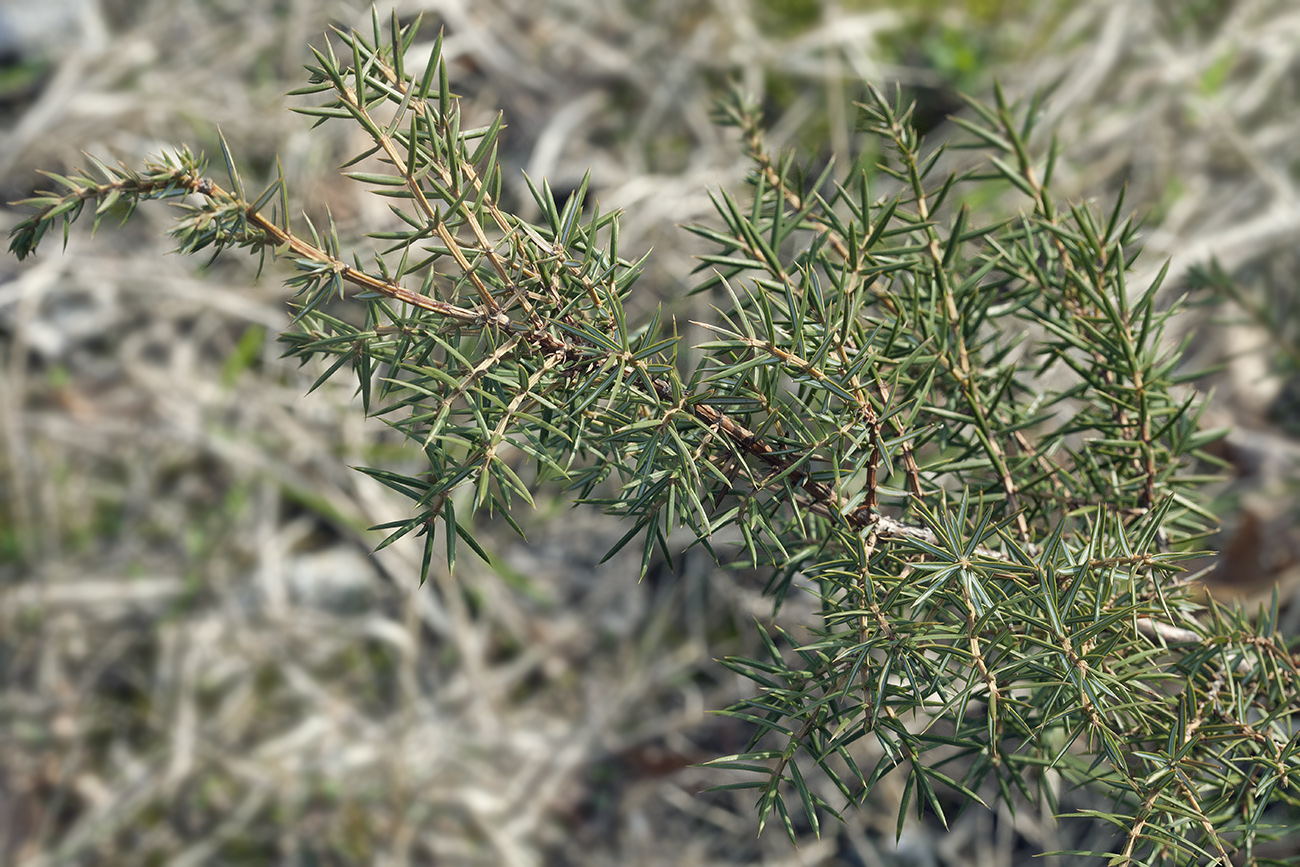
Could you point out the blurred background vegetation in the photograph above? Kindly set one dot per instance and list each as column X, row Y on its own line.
column 200, row 659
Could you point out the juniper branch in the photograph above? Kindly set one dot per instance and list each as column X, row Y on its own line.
column 960, row 434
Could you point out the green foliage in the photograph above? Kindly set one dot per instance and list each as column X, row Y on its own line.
column 787, row 17
column 969, row 440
